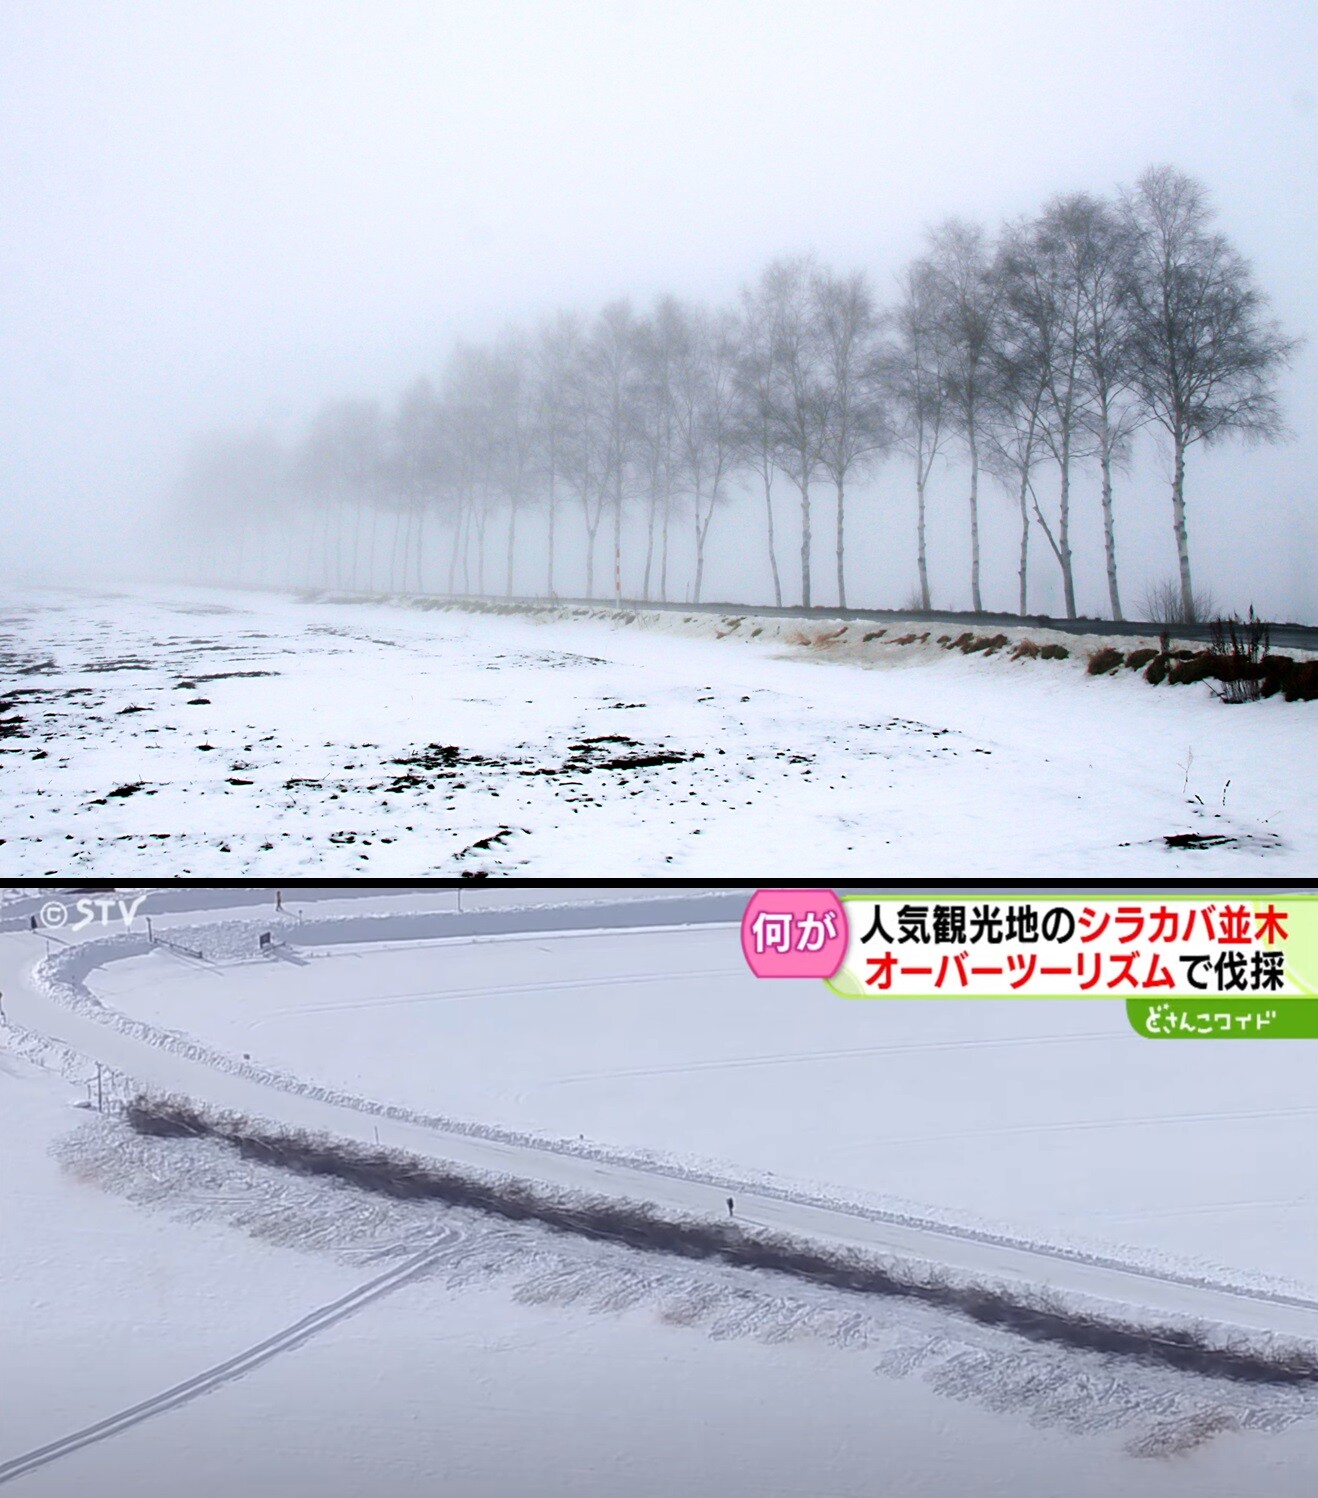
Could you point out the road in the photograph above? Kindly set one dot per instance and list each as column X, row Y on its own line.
column 1283, row 636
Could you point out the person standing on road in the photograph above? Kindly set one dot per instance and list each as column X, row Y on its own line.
column 729, row 1206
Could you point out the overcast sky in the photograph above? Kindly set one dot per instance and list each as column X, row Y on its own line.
column 226, row 212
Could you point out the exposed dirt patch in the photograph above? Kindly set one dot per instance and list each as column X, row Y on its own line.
column 20, row 663
column 484, row 844
column 589, row 755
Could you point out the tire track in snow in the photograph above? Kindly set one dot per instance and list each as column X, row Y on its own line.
column 794, row 1058
column 244, row 1362
column 493, row 990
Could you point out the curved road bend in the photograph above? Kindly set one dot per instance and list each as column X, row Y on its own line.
column 964, row 1250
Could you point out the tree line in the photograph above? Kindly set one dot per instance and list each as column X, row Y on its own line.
column 1031, row 354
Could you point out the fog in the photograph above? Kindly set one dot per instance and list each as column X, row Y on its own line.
column 223, row 216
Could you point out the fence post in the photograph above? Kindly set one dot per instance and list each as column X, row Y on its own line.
column 100, row 1098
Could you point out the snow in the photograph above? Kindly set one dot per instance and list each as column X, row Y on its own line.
column 518, row 1360
column 315, row 749
column 100, row 1310
column 662, row 1044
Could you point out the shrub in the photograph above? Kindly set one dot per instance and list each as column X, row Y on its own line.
column 1053, row 652
column 1198, row 667
column 1103, row 660
column 970, row 641
column 1137, row 659
column 1303, row 685
column 1157, row 668
column 1164, row 605
column 1025, row 649
column 1278, row 671
column 1239, row 646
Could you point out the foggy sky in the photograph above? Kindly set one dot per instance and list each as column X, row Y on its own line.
column 226, row 213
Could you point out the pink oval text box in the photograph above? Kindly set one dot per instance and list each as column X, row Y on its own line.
column 794, row 933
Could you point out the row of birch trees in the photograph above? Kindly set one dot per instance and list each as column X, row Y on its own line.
column 1032, row 356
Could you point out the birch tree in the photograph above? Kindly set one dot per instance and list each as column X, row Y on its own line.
column 916, row 377
column 1043, row 319
column 758, row 425
column 1207, row 355
column 583, row 452
column 664, row 337
column 418, row 463
column 797, row 392
column 558, row 351
column 855, row 429
column 1013, row 444
column 513, row 432
column 968, row 299
column 706, row 391
column 613, row 358
column 1114, row 413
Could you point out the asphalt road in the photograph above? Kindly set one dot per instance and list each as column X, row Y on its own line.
column 1281, row 636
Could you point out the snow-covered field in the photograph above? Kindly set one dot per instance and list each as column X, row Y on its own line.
column 1027, row 1137
column 1034, row 1116
column 254, row 734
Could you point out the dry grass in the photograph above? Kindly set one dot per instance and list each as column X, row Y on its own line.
column 1105, row 660
column 816, row 639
